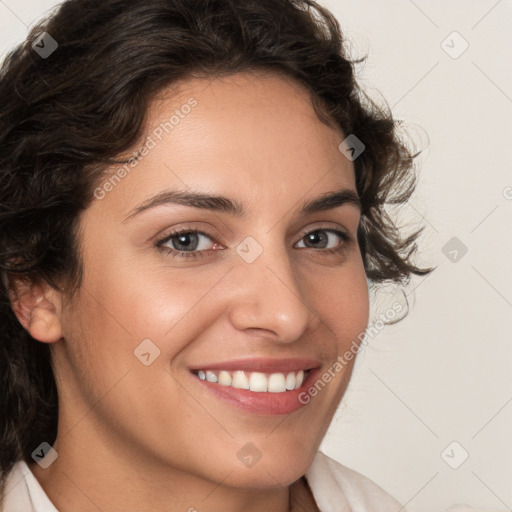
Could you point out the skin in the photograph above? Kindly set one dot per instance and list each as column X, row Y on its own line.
column 148, row 438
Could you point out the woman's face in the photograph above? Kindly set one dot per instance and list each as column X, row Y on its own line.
column 268, row 287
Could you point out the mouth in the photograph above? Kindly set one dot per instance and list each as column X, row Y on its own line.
column 259, row 386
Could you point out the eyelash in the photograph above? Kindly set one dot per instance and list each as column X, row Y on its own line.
column 194, row 254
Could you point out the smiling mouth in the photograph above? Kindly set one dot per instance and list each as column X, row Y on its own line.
column 259, row 382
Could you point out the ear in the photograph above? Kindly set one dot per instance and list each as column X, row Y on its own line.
column 37, row 307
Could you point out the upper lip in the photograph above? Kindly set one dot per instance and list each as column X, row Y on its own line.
column 261, row 364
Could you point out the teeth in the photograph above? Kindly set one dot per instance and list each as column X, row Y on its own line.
column 300, row 379
column 256, row 381
column 211, row 377
column 290, row 381
column 277, row 383
column 240, row 380
column 225, row 379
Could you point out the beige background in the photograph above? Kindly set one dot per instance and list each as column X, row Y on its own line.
column 439, row 382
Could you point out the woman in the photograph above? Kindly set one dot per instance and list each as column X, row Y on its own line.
column 192, row 202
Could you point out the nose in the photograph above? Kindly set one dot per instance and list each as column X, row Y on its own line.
column 267, row 300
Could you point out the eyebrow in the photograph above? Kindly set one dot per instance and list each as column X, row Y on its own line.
column 224, row 204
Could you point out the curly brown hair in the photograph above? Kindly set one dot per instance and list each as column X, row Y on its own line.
column 66, row 118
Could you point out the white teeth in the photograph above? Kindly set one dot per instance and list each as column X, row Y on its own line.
column 300, row 379
column 224, row 379
column 277, row 383
column 290, row 381
column 256, row 381
column 211, row 377
column 240, row 380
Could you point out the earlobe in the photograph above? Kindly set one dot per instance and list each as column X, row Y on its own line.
column 37, row 307
column 44, row 323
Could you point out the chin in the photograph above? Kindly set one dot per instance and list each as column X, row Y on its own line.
column 273, row 466
column 275, row 473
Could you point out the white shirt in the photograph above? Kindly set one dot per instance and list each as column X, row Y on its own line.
column 335, row 488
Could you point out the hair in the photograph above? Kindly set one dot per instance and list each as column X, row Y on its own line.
column 66, row 118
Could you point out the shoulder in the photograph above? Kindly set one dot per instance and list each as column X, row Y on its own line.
column 337, row 487
column 23, row 493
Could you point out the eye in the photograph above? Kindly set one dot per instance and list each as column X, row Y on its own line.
column 325, row 239
column 186, row 243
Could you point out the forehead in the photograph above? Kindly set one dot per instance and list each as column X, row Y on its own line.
column 250, row 136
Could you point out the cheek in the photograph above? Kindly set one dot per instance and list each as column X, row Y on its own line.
column 354, row 308
column 341, row 300
column 118, row 312
column 122, row 306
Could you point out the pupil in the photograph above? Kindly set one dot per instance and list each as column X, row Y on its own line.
column 317, row 235
column 184, row 237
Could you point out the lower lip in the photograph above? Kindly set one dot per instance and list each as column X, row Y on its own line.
column 261, row 402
